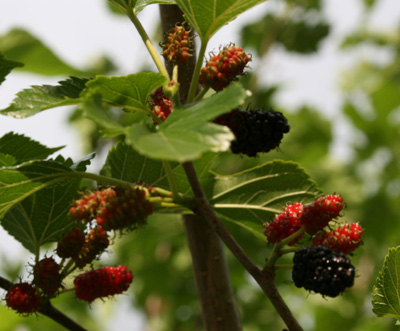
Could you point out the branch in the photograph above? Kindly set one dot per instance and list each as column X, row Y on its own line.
column 264, row 278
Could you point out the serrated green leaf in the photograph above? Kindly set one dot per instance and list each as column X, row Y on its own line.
column 43, row 216
column 21, row 181
column 6, row 66
column 38, row 98
column 24, row 149
column 129, row 92
column 93, row 109
column 21, row 46
column 255, row 195
column 208, row 16
column 187, row 133
column 386, row 291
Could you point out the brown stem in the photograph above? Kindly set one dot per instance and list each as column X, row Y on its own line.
column 210, row 269
column 49, row 310
column 264, row 278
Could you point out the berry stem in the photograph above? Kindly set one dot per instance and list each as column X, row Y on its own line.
column 289, row 250
column 171, row 181
column 149, row 45
column 196, row 74
column 293, row 236
column 283, row 267
column 202, row 93
column 275, row 255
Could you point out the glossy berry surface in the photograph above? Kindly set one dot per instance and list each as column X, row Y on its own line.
column 317, row 215
column 322, row 270
column 344, row 239
column 256, row 131
column 102, row 282
column 71, row 244
column 285, row 224
column 96, row 242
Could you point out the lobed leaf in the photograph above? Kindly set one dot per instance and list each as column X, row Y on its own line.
column 208, row 16
column 38, row 98
column 252, row 197
column 386, row 291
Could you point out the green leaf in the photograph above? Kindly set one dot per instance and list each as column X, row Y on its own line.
column 208, row 16
column 43, row 216
column 93, row 109
column 136, row 5
column 6, row 66
column 129, row 92
column 187, row 133
column 21, row 46
column 386, row 291
column 386, row 98
column 124, row 163
column 7, row 160
column 38, row 98
column 252, row 197
column 21, row 181
column 24, row 149
column 141, row 4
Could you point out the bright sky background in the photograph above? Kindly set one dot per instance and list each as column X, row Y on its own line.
column 79, row 31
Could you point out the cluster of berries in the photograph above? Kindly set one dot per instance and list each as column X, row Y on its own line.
column 329, row 248
column 255, row 130
column 113, row 208
column 25, row 297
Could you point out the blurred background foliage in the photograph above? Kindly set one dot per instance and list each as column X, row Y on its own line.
column 368, row 179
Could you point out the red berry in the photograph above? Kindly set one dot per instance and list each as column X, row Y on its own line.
column 71, row 244
column 96, row 243
column 160, row 104
column 344, row 239
column 224, row 67
column 178, row 47
column 23, row 298
column 318, row 214
column 285, row 224
column 128, row 209
column 102, row 282
column 46, row 276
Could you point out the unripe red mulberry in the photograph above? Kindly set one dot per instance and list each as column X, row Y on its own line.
column 102, row 282
column 46, row 276
column 160, row 104
column 178, row 46
column 71, row 244
column 285, row 224
column 318, row 214
column 224, row 67
column 344, row 239
column 96, row 243
column 23, row 298
column 127, row 210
